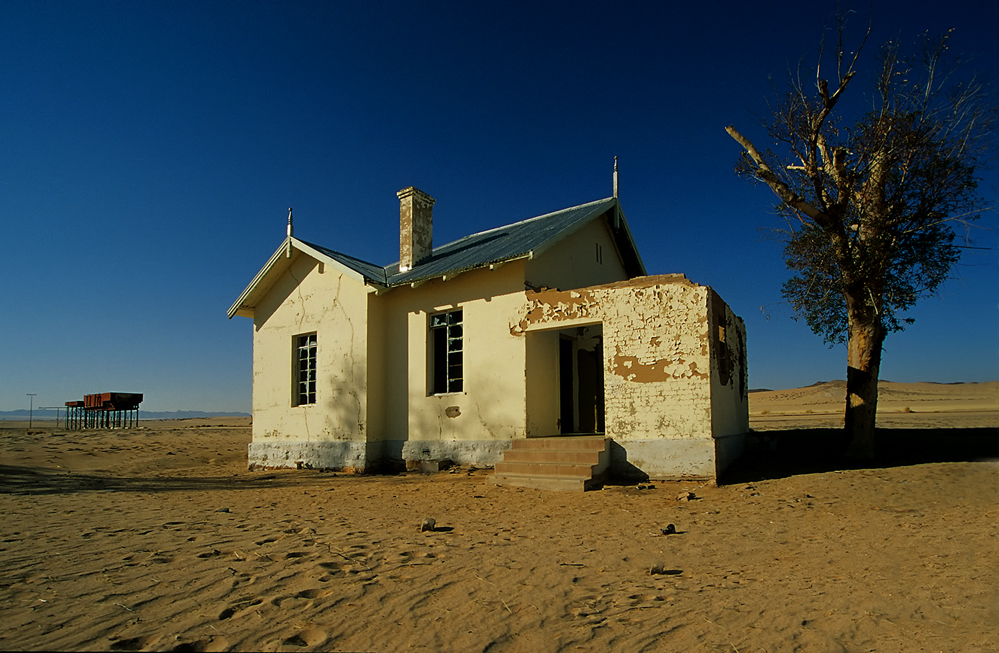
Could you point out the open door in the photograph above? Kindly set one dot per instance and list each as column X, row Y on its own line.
column 581, row 381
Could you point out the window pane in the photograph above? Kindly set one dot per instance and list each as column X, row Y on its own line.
column 439, row 362
column 304, row 373
column 446, row 346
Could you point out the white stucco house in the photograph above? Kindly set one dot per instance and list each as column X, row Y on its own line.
column 540, row 331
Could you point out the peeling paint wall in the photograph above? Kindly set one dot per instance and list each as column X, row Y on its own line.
column 656, row 356
column 674, row 370
column 729, row 373
column 310, row 297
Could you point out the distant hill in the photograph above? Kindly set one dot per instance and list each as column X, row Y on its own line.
column 22, row 414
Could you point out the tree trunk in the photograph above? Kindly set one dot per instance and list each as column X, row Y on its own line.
column 866, row 336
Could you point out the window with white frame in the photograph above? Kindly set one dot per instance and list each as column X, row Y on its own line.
column 305, row 370
column 446, row 355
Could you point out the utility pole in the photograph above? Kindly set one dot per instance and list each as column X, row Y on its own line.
column 31, row 408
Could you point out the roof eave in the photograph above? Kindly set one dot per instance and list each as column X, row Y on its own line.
column 243, row 307
column 622, row 235
column 240, row 307
column 450, row 274
column 623, row 238
column 568, row 231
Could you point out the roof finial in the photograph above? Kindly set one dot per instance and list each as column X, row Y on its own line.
column 615, row 176
column 290, row 229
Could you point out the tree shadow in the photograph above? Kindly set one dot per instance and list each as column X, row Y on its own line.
column 780, row 454
column 33, row 481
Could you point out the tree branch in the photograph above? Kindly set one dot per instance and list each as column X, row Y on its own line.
column 779, row 187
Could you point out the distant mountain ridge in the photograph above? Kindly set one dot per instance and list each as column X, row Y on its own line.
column 22, row 414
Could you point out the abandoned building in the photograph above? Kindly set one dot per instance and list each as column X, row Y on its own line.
column 540, row 348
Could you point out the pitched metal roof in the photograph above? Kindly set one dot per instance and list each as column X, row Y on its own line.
column 370, row 271
column 515, row 241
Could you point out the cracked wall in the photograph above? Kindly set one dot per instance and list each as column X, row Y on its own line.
column 311, row 297
column 490, row 407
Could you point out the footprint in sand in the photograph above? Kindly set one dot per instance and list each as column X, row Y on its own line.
column 229, row 612
column 208, row 645
column 309, row 637
column 645, row 598
column 132, row 643
column 312, row 594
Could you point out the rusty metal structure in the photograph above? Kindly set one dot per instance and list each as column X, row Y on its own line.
column 107, row 410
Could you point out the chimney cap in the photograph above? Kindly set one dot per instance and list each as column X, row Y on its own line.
column 413, row 190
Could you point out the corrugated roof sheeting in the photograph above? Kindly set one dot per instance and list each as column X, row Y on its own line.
column 479, row 250
column 501, row 244
column 369, row 271
column 507, row 243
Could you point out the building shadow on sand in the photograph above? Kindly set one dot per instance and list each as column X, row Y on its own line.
column 39, row 480
column 779, row 454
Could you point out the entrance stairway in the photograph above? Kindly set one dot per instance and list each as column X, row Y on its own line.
column 572, row 463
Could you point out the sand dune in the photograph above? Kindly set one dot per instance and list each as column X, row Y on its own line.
column 900, row 405
column 159, row 539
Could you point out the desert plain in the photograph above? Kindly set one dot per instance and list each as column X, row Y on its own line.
column 159, row 539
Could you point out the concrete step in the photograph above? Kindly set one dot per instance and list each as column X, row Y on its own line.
column 555, row 470
column 558, row 463
column 541, row 483
column 577, row 443
column 579, row 457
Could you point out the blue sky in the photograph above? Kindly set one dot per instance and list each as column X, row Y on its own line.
column 149, row 152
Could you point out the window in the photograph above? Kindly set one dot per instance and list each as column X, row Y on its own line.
column 305, row 370
column 446, row 352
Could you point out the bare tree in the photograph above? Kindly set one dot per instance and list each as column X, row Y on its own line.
column 872, row 191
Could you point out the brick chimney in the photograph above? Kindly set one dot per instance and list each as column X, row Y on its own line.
column 416, row 227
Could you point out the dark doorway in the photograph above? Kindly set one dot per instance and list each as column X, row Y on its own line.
column 590, row 387
column 567, row 413
column 581, row 381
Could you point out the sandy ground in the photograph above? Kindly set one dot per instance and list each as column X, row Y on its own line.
column 159, row 539
column 900, row 405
